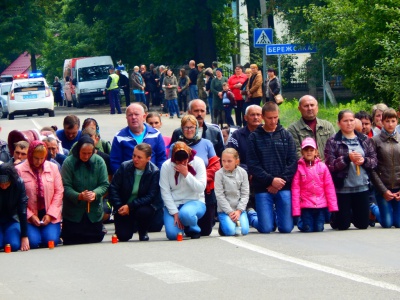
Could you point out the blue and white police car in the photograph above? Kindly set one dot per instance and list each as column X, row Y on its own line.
column 30, row 94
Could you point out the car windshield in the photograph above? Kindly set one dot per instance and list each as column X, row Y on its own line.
column 29, row 86
column 93, row 73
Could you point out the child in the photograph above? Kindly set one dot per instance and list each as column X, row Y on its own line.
column 312, row 189
column 232, row 193
column 229, row 102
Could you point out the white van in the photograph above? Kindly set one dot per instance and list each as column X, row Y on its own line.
column 90, row 78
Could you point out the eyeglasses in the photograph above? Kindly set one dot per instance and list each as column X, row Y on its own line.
column 188, row 128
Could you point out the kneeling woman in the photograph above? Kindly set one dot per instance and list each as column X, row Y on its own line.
column 183, row 179
column 13, row 202
column 350, row 156
column 135, row 194
column 44, row 189
column 85, row 179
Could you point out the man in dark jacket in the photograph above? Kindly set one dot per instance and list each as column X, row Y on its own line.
column 208, row 131
column 240, row 138
column 124, row 85
column 272, row 163
column 135, row 194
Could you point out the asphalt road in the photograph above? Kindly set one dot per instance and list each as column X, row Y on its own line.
column 353, row 264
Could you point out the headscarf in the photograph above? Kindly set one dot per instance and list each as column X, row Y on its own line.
column 195, row 139
column 181, row 146
column 85, row 139
column 40, row 188
column 32, row 146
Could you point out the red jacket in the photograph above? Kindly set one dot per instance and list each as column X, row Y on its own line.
column 232, row 81
column 312, row 187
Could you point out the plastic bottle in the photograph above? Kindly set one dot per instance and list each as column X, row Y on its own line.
column 238, row 229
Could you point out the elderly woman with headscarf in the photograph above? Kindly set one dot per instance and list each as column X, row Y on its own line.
column 205, row 150
column 13, row 203
column 84, row 175
column 182, row 182
column 44, row 189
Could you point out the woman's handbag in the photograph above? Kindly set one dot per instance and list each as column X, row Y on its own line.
column 278, row 99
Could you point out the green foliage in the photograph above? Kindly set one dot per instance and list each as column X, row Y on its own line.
column 357, row 31
column 289, row 112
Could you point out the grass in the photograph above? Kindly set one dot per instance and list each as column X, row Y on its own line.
column 289, row 112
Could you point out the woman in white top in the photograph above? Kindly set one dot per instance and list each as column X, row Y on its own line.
column 183, row 179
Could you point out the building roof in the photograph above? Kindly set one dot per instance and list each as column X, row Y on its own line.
column 19, row 66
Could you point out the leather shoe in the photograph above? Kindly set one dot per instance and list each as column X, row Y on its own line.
column 143, row 237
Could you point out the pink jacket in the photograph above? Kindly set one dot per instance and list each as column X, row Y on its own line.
column 312, row 187
column 53, row 189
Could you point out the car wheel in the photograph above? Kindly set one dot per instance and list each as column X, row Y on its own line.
column 40, row 113
column 4, row 115
column 51, row 113
column 11, row 117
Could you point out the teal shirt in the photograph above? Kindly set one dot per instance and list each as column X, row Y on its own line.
column 135, row 188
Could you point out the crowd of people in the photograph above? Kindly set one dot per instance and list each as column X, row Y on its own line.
column 63, row 185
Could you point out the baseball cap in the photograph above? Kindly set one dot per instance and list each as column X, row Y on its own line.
column 308, row 142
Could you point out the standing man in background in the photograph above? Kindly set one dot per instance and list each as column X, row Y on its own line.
column 113, row 91
column 193, row 80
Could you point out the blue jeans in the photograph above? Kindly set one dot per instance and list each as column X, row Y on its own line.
column 139, row 97
column 173, row 107
column 263, row 219
column 113, row 97
column 10, row 233
column 189, row 214
column 39, row 236
column 389, row 211
column 228, row 115
column 193, row 93
column 312, row 219
column 228, row 226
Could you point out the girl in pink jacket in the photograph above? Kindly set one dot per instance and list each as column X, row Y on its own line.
column 312, row 190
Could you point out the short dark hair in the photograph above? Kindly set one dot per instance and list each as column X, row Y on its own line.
column 71, row 121
column 389, row 113
column 270, row 106
column 342, row 112
column 146, row 148
column 362, row 114
column 21, row 144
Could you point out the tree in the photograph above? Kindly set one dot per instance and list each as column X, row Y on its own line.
column 357, row 32
column 23, row 28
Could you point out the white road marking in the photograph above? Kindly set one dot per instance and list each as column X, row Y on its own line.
column 171, row 273
column 38, row 127
column 310, row 265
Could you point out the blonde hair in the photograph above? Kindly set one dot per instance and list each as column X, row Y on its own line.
column 248, row 70
column 189, row 118
column 231, row 151
column 254, row 66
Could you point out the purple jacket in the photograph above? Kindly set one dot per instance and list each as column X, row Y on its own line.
column 312, row 187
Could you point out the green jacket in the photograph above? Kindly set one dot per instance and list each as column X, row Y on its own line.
column 77, row 178
column 300, row 130
column 216, row 86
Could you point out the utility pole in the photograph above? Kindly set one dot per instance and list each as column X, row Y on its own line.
column 263, row 8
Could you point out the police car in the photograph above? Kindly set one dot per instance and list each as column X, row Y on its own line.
column 30, row 94
column 4, row 91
